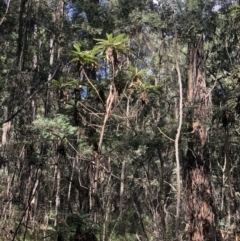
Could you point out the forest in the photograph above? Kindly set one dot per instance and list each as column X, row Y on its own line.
column 120, row 120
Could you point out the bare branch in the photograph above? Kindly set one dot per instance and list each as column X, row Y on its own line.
column 165, row 135
column 4, row 17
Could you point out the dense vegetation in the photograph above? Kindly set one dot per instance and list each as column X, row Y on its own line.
column 120, row 120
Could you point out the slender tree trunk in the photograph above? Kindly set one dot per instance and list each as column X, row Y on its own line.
column 223, row 189
column 51, row 59
column 7, row 207
column 70, row 182
column 107, row 208
column 122, row 189
column 57, row 19
column 198, row 168
column 20, row 33
column 57, row 197
column 6, row 129
column 122, row 183
column 177, row 138
column 35, row 65
column 162, row 214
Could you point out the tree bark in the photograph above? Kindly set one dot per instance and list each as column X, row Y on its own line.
column 198, row 169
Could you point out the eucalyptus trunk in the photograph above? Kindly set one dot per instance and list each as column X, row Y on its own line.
column 198, row 166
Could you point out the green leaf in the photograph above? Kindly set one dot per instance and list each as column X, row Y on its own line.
column 110, row 37
column 118, row 42
column 141, row 72
column 120, row 37
column 77, row 47
column 55, row 83
column 74, row 59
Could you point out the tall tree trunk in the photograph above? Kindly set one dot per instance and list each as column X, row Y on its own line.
column 20, row 33
column 177, row 138
column 35, row 66
column 198, row 168
column 12, row 97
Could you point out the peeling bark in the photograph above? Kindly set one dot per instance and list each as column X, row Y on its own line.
column 198, row 167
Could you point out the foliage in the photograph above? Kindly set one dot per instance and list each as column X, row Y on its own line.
column 83, row 56
column 118, row 43
column 79, row 75
column 57, row 127
column 59, row 85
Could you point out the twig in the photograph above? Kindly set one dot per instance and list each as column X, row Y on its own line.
column 84, row 73
column 174, row 189
column 4, row 17
column 165, row 135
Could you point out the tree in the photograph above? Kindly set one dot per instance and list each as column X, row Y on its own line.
column 198, row 167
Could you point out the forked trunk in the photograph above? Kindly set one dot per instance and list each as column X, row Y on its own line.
column 198, row 168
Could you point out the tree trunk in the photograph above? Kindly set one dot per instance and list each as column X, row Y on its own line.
column 57, row 198
column 12, row 95
column 20, row 34
column 121, row 194
column 198, row 168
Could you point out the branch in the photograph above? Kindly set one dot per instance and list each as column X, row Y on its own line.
column 89, row 81
column 4, row 17
column 166, row 135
